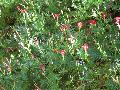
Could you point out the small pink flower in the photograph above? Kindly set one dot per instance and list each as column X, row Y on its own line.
column 9, row 69
column 18, row 7
column 117, row 20
column 56, row 16
column 79, row 24
column 42, row 67
column 85, row 47
column 62, row 52
column 23, row 11
column 64, row 27
column 92, row 22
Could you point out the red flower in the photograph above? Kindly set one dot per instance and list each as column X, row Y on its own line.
column 92, row 22
column 79, row 24
column 42, row 67
column 117, row 20
column 64, row 27
column 103, row 15
column 62, row 52
column 56, row 16
column 23, row 10
column 18, row 7
column 85, row 47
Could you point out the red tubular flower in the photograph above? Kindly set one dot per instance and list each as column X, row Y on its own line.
column 23, row 10
column 117, row 20
column 18, row 7
column 92, row 22
column 103, row 15
column 42, row 67
column 85, row 47
column 56, row 16
column 79, row 24
column 64, row 27
column 62, row 52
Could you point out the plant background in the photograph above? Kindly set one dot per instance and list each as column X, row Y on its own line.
column 31, row 41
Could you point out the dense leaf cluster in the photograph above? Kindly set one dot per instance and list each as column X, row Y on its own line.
column 59, row 45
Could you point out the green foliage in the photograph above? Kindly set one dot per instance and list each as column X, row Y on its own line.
column 43, row 46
